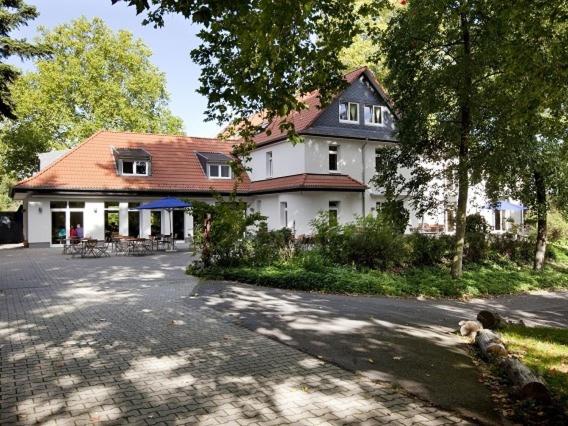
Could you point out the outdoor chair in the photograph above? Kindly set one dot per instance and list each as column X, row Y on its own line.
column 89, row 248
column 121, row 246
column 102, row 248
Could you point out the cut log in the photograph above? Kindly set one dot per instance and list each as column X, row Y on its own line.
column 491, row 320
column 470, row 328
column 490, row 345
column 526, row 382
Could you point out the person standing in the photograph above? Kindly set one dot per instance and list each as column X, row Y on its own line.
column 80, row 231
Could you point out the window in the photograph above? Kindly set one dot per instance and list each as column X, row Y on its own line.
column 333, row 212
column 269, row 164
column 111, row 205
column 58, row 204
column 284, row 214
column 349, row 112
column 76, row 204
column 219, row 171
column 377, row 159
column 134, row 168
column 333, row 151
column 373, row 115
column 258, row 206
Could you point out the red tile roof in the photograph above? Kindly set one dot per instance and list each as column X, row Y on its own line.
column 303, row 119
column 306, row 182
column 91, row 165
column 175, row 167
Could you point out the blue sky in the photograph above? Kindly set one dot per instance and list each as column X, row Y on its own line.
column 171, row 46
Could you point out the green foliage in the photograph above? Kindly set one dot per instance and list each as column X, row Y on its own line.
column 271, row 246
column 228, row 241
column 429, row 250
column 545, row 350
column 95, row 79
column 557, row 226
column 395, row 215
column 510, row 248
column 13, row 15
column 476, row 244
column 430, row 282
column 370, row 241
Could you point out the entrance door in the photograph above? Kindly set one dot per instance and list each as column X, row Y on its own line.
column 179, row 221
column 133, row 224
column 111, row 224
column 58, row 228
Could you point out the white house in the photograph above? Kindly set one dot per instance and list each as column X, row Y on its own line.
column 99, row 183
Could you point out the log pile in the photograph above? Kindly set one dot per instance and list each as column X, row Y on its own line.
column 527, row 384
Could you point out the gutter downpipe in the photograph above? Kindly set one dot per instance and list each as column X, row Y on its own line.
column 363, row 206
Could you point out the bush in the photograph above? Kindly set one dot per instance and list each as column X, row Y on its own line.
column 370, row 242
column 508, row 246
column 271, row 246
column 395, row 215
column 557, row 227
column 226, row 240
column 430, row 250
column 476, row 231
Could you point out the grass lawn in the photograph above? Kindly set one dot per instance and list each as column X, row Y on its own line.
column 431, row 282
column 545, row 350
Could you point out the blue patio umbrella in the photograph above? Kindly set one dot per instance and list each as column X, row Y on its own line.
column 503, row 205
column 169, row 204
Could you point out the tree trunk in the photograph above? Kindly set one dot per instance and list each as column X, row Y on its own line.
column 463, row 159
column 541, row 212
column 490, row 344
column 528, row 384
column 490, row 320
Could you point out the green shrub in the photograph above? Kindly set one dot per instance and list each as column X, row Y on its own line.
column 476, row 245
column 271, row 246
column 510, row 247
column 429, row 250
column 370, row 242
column 557, row 227
column 395, row 215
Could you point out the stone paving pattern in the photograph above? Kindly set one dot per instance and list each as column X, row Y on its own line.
column 121, row 340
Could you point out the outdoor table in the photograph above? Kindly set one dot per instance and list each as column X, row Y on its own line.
column 70, row 245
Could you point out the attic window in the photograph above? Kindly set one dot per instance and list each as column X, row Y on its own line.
column 373, row 115
column 219, row 171
column 133, row 168
column 132, row 161
column 348, row 112
column 215, row 164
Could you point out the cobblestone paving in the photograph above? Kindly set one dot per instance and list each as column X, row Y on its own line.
column 81, row 345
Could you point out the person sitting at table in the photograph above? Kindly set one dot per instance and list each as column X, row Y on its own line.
column 80, row 231
column 73, row 233
column 61, row 234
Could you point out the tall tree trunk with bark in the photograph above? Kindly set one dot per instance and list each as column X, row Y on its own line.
column 463, row 159
column 541, row 213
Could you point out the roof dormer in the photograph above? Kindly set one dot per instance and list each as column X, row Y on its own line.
column 215, row 165
column 132, row 161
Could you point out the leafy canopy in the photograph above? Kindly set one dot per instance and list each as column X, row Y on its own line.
column 96, row 79
column 13, row 15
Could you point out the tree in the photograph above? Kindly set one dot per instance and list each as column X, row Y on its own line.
column 95, row 79
column 439, row 56
column 526, row 154
column 13, row 14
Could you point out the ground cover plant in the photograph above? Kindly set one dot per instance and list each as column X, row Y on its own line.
column 544, row 350
column 371, row 256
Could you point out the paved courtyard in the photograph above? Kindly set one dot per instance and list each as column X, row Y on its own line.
column 123, row 340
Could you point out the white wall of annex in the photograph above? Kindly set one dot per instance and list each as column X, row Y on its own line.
column 287, row 159
column 39, row 221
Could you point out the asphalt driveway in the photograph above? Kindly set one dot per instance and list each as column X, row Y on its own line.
column 404, row 341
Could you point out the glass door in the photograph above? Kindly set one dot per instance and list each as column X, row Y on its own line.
column 156, row 222
column 179, row 224
column 58, row 228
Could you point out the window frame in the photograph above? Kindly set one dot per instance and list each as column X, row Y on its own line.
column 333, row 206
column 284, row 214
column 335, row 153
column 220, row 167
column 341, row 120
column 373, row 123
column 134, row 166
column 269, row 164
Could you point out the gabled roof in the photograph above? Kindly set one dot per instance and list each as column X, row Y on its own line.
column 303, row 119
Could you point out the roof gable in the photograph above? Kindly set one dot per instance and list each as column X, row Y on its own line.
column 307, row 120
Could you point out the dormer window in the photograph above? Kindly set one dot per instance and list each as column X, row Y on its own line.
column 132, row 161
column 373, row 115
column 348, row 112
column 134, row 168
column 215, row 165
column 219, row 171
